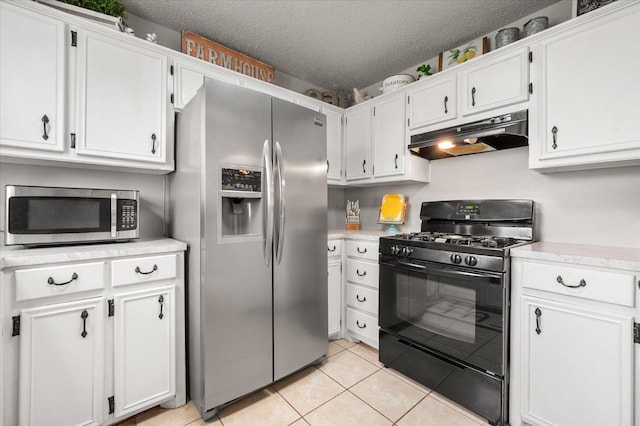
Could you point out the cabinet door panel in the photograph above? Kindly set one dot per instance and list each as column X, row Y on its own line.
column 144, row 346
column 358, row 144
column 334, row 145
column 578, row 369
column 61, row 372
column 388, row 136
column 502, row 82
column 433, row 103
column 335, row 306
column 594, row 108
column 32, row 80
column 122, row 96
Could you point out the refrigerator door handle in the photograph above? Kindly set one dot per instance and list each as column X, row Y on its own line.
column 279, row 169
column 267, row 209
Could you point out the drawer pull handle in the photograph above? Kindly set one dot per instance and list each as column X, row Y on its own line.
column 361, row 274
column 138, row 271
column 361, row 326
column 538, row 315
column 51, row 281
column 331, row 249
column 582, row 283
column 364, row 299
column 161, row 302
column 84, row 315
column 361, row 252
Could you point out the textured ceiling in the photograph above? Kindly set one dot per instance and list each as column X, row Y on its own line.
column 337, row 44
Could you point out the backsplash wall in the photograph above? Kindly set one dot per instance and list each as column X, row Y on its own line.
column 584, row 207
column 151, row 188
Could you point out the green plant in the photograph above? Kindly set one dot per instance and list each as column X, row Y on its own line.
column 425, row 70
column 108, row 7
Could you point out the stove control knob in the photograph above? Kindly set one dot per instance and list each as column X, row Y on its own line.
column 406, row 251
column 455, row 258
column 395, row 249
column 471, row 260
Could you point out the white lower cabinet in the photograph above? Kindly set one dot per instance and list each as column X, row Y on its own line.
column 92, row 342
column 334, row 287
column 361, row 292
column 61, row 363
column 573, row 355
column 580, row 365
column 144, row 349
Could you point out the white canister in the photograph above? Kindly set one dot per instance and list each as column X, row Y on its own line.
column 396, row 81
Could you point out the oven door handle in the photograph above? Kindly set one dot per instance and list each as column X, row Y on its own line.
column 439, row 270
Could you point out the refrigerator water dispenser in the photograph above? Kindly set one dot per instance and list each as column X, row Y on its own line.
column 240, row 202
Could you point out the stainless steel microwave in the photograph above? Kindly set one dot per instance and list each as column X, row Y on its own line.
column 37, row 215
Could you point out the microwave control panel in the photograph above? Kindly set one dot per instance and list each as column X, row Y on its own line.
column 127, row 215
column 241, row 180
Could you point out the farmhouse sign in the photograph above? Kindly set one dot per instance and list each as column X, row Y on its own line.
column 210, row 51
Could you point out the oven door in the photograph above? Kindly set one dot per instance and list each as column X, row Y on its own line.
column 456, row 314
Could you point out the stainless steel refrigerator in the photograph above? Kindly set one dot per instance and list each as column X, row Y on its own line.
column 249, row 196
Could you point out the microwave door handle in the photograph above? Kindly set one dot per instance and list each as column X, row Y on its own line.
column 114, row 214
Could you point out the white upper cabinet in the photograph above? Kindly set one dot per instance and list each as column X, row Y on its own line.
column 122, row 99
column 375, row 132
column 495, row 83
column 389, row 144
column 32, row 80
column 357, row 140
column 334, row 145
column 432, row 101
column 586, row 111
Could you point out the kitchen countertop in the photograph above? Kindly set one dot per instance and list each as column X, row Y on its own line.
column 587, row 255
column 16, row 256
column 363, row 234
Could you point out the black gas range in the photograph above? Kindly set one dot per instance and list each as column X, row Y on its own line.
column 444, row 299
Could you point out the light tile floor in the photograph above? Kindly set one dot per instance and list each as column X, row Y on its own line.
column 349, row 388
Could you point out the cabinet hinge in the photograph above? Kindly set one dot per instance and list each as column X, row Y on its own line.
column 374, row 111
column 112, row 404
column 171, row 70
column 15, row 329
column 408, row 100
column 112, row 308
column 408, row 122
column 530, row 57
column 531, row 88
column 74, row 38
column 172, row 98
column 636, row 332
column 73, row 140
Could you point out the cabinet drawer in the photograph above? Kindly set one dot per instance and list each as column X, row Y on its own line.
column 56, row 280
column 334, row 248
column 363, row 249
column 362, row 298
column 362, row 324
column 362, row 272
column 603, row 286
column 143, row 269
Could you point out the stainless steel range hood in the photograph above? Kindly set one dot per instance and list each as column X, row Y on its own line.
column 491, row 134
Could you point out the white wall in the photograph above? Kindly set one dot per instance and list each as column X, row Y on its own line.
column 584, row 207
column 151, row 188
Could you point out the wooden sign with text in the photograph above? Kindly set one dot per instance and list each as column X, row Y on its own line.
column 210, row 51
